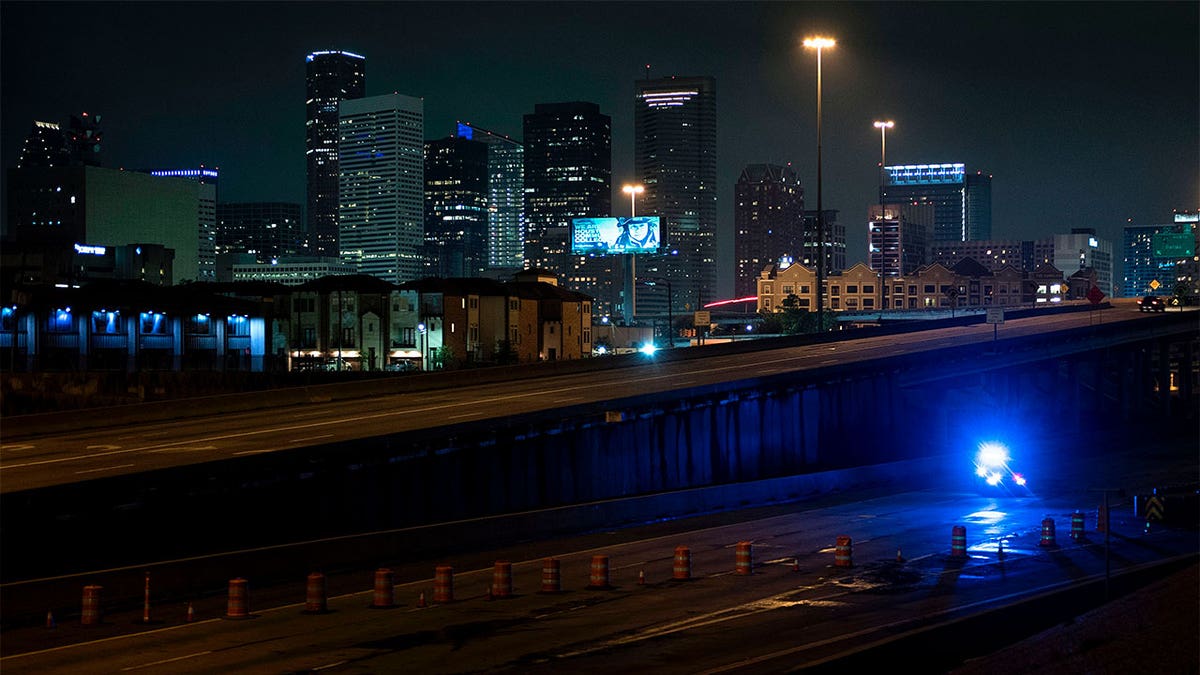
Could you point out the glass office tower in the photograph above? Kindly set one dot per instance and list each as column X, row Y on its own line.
column 333, row 77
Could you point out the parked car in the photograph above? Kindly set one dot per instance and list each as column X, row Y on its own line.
column 1152, row 303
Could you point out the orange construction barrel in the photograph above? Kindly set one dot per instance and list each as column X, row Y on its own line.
column 682, row 568
column 843, row 552
column 551, row 576
column 91, row 605
column 384, row 596
column 958, row 542
column 1077, row 526
column 1047, row 532
column 443, row 584
column 314, row 594
column 744, row 558
column 239, row 599
column 599, row 576
column 502, row 580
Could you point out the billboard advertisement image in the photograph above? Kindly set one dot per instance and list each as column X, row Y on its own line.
column 642, row 234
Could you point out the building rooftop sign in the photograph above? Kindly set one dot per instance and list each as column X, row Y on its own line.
column 924, row 174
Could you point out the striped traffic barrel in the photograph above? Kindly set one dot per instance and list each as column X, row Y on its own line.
column 682, row 568
column 502, row 579
column 91, row 605
column 599, row 575
column 443, row 584
column 384, row 596
column 743, row 558
column 551, row 576
column 958, row 542
column 1047, row 532
column 314, row 594
column 238, row 606
column 1077, row 526
column 843, row 552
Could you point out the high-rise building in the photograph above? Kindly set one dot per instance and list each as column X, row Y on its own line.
column 835, row 241
column 456, row 207
column 675, row 159
column 206, row 180
column 768, row 220
column 1158, row 258
column 506, row 197
column 1083, row 249
column 898, row 238
column 83, row 139
column 332, row 77
column 92, row 206
column 46, row 146
column 381, row 191
column 568, row 171
column 962, row 202
column 266, row 230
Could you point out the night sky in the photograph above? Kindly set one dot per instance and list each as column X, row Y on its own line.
column 1084, row 113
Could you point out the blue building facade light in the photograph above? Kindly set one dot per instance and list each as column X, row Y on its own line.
column 924, row 174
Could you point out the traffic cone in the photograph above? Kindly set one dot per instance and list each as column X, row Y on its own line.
column 50, row 620
column 421, row 600
column 795, row 564
column 641, row 577
column 191, row 613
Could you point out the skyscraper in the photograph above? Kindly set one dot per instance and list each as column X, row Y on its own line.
column 898, row 238
column 266, row 230
column 568, row 169
column 46, row 146
column 768, row 219
column 381, row 190
column 456, row 207
column 962, row 202
column 207, row 185
column 333, row 77
column 506, row 196
column 675, row 158
column 835, row 241
column 1158, row 258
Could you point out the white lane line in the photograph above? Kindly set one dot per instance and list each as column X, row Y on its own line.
column 310, row 438
column 60, row 648
column 23, row 446
column 159, row 663
column 455, row 417
column 107, row 468
column 254, row 452
column 330, row 665
column 294, row 427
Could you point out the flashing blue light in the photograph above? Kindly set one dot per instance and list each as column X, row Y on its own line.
column 465, row 131
column 992, row 455
column 601, row 350
column 648, row 349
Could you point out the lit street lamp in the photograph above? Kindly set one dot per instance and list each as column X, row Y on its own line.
column 819, row 44
column 882, row 127
column 633, row 191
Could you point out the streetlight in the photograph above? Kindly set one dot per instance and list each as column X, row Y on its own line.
column 421, row 337
column 882, row 127
column 633, row 191
column 819, row 44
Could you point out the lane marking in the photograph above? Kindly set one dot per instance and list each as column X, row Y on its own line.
column 159, row 663
column 23, row 446
column 295, row 427
column 107, row 468
column 255, row 452
column 309, row 438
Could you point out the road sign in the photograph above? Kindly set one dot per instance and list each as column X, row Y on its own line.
column 1154, row 285
column 702, row 318
column 1154, row 508
column 995, row 315
column 1095, row 295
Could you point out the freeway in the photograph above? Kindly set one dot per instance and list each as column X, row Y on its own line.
column 35, row 461
column 797, row 609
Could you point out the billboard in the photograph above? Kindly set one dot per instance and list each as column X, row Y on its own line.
column 642, row 234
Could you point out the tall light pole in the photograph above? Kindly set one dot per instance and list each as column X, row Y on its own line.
column 819, row 44
column 882, row 127
column 633, row 191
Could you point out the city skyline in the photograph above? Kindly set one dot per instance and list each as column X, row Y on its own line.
column 1085, row 113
